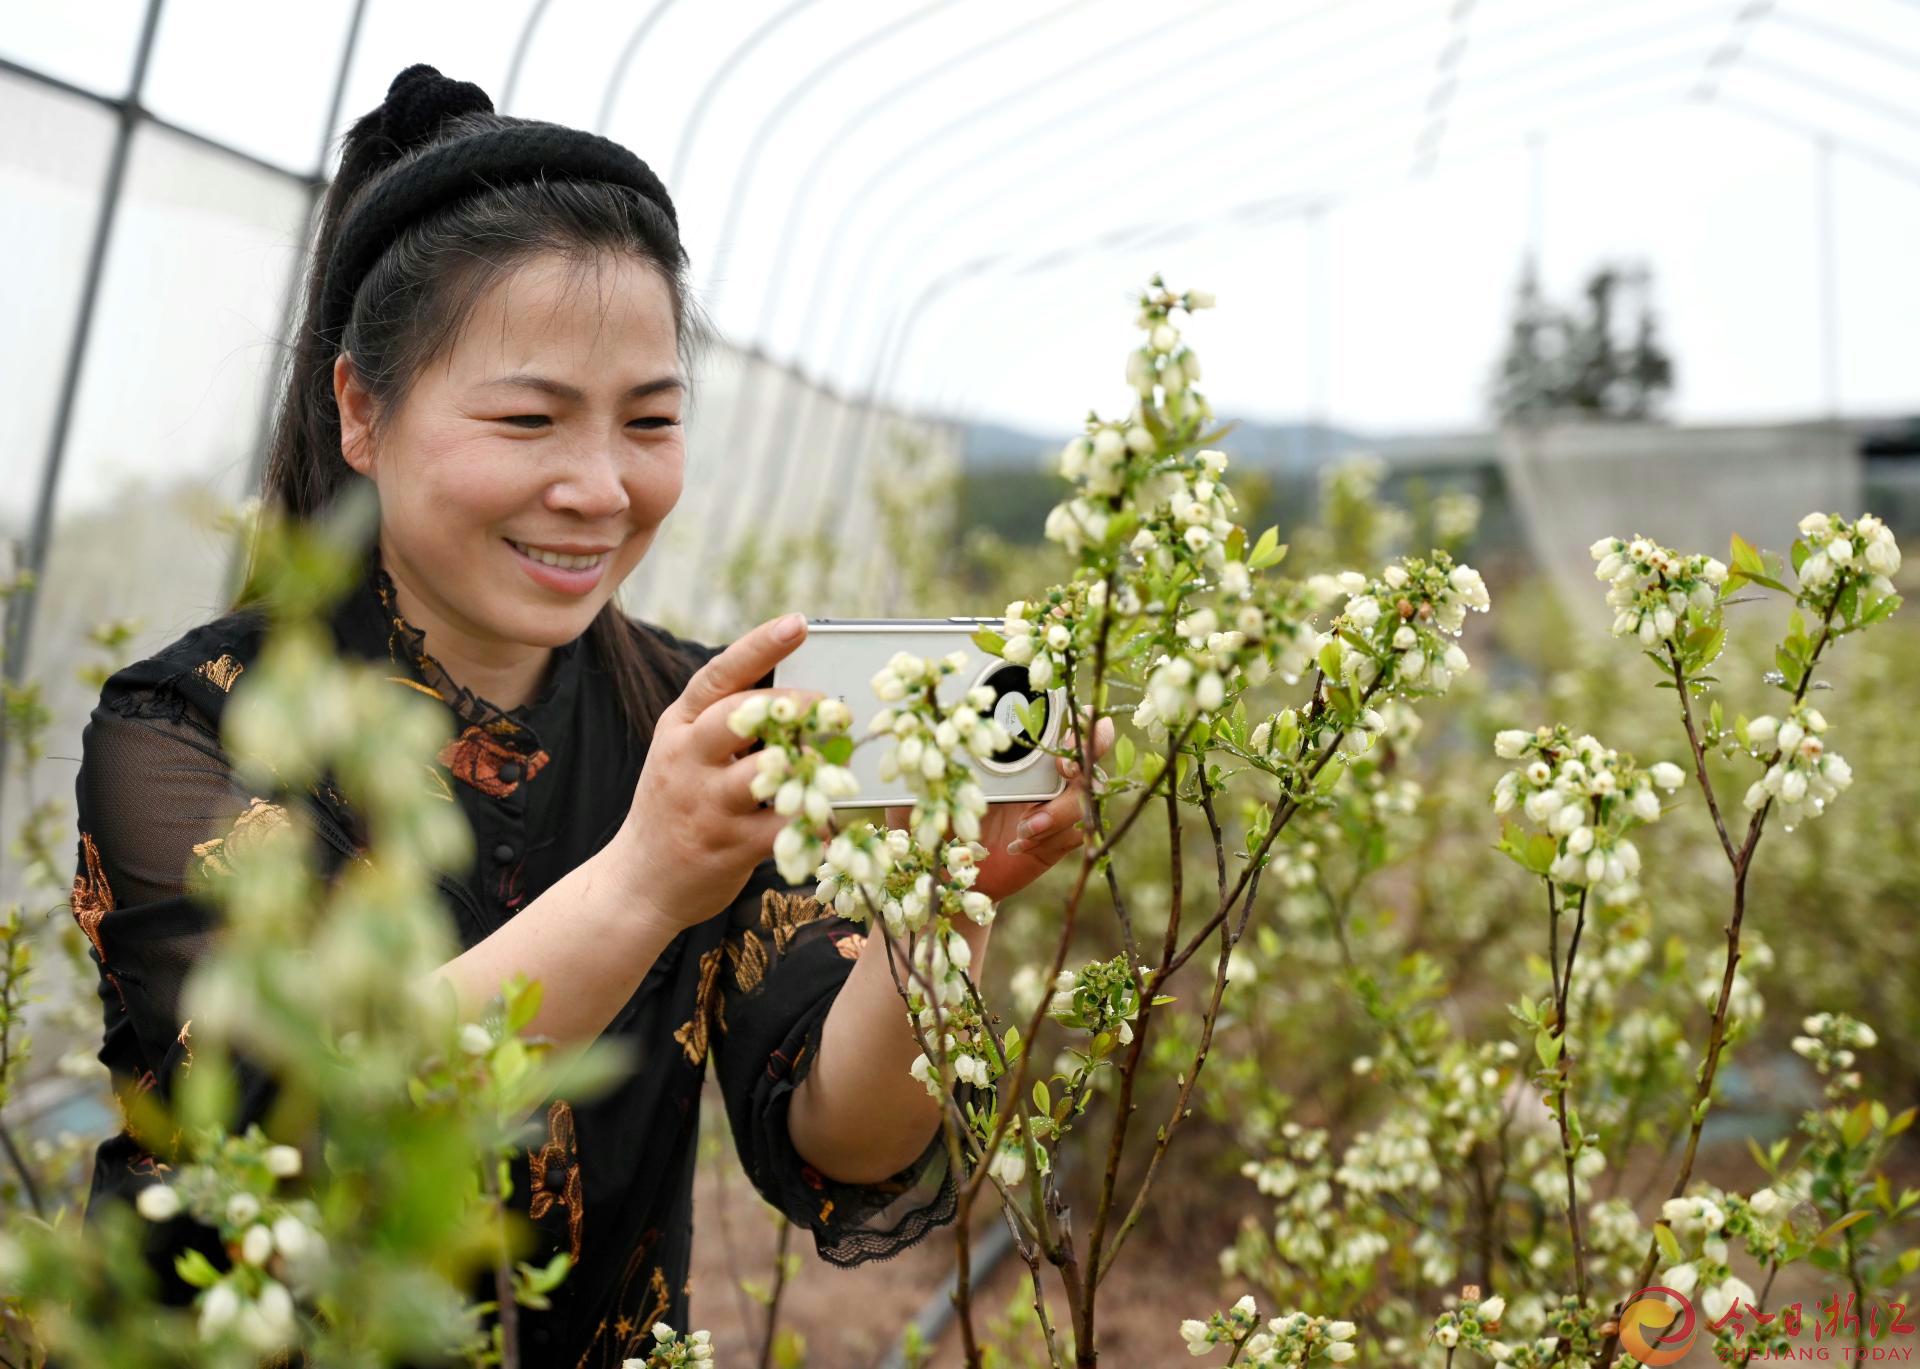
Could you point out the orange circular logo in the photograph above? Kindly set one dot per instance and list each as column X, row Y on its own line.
column 1654, row 1331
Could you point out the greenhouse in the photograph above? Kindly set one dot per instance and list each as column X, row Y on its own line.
column 1491, row 296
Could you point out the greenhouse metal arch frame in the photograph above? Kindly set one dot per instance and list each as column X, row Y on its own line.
column 129, row 114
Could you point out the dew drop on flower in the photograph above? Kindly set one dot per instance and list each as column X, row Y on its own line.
column 1773, row 677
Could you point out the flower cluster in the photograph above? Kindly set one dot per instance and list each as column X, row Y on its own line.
column 1289, row 1340
column 1125, row 484
column 275, row 1248
column 1802, row 775
column 674, row 1350
column 1829, row 1044
column 1473, row 1328
column 1586, row 797
column 1702, row 1221
column 1835, row 548
column 933, row 743
column 801, row 770
column 1400, row 628
column 1651, row 588
column 1099, row 998
column 1164, row 361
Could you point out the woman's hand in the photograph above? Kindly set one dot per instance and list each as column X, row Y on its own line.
column 1025, row 840
column 695, row 831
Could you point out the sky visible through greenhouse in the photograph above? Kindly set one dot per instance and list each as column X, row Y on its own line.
column 955, row 200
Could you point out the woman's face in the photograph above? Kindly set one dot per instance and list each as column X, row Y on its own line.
column 526, row 470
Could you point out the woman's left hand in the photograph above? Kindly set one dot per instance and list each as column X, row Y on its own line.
column 1025, row 840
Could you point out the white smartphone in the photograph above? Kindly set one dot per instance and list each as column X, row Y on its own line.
column 841, row 656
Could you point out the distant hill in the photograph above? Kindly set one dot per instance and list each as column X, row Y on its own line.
column 1278, row 448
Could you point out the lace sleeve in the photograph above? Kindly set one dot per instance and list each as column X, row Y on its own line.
column 159, row 808
column 782, row 962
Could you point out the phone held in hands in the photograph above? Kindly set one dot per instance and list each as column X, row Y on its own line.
column 840, row 657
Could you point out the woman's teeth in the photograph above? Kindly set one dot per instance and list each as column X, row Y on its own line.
column 554, row 558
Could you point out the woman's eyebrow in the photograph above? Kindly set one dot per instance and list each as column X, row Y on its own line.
column 524, row 380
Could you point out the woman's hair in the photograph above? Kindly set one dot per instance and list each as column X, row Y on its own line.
column 412, row 305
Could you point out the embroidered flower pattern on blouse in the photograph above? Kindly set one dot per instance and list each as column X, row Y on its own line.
column 709, row 1010
column 223, row 670
column 476, row 755
column 622, row 1337
column 784, row 914
column 255, row 825
column 92, row 895
column 491, row 737
column 747, row 958
column 850, row 945
column 554, row 1174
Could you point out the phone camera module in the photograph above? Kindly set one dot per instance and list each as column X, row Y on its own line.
column 1012, row 693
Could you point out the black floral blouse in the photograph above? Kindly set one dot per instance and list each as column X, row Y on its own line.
column 609, row 1180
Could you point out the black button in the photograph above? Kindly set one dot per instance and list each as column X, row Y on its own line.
column 509, row 772
column 503, row 852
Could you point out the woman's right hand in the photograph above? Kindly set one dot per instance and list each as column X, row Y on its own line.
column 695, row 831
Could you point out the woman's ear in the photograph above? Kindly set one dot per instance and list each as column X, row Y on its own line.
column 356, row 416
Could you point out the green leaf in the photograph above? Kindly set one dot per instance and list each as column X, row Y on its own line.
column 1162, row 998
column 1841, row 1225
column 1236, row 542
column 1548, row 1046
column 837, row 750
column 989, row 641
column 1858, row 1125
column 524, row 1006
column 1033, row 716
column 1042, row 1100
column 1745, row 558
column 1267, row 551
column 1789, row 667
column 1330, row 659
column 1668, row 1245
column 196, row 1269
column 1123, row 756
column 1800, row 554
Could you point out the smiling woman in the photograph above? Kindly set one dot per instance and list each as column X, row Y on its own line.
column 497, row 340
column 529, row 469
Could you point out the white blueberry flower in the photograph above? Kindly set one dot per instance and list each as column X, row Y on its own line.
column 218, row 1308
column 256, row 1247
column 291, row 1236
column 475, row 1039
column 158, row 1202
column 1009, row 1165
column 748, row 715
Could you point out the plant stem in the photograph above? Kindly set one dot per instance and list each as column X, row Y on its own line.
column 1742, row 861
column 509, row 1310
column 1563, row 982
column 1699, row 751
column 779, row 1285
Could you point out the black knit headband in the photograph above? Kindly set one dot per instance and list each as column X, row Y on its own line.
column 418, row 102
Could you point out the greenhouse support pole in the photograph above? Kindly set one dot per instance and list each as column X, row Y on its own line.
column 291, row 303
column 20, row 621
column 1829, row 282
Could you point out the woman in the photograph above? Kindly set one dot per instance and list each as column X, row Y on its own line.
column 496, row 337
